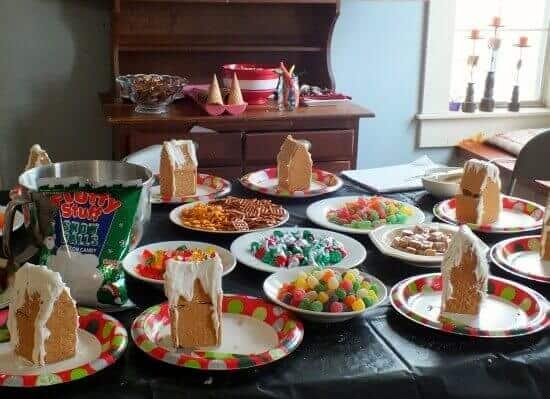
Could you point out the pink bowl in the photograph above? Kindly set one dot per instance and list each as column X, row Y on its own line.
column 257, row 82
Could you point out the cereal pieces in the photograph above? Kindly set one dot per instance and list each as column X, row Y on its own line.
column 233, row 214
column 422, row 240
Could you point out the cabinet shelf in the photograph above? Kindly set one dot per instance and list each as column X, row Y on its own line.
column 215, row 48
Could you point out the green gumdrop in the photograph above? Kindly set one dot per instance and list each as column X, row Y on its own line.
column 356, row 286
column 340, row 293
column 368, row 301
column 316, row 306
column 335, row 257
column 391, row 219
column 322, row 286
column 278, row 233
column 305, row 304
column 255, row 246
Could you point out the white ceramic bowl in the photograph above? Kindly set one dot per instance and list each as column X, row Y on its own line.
column 383, row 237
column 435, row 184
column 274, row 282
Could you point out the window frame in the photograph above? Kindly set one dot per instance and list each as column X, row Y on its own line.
column 439, row 127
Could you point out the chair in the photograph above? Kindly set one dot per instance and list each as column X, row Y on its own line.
column 533, row 161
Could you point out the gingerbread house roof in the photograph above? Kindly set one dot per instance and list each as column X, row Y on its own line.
column 291, row 147
column 464, row 240
column 181, row 153
column 477, row 173
column 33, row 280
column 37, row 157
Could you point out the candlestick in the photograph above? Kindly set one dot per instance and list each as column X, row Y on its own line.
column 496, row 22
column 474, row 35
column 514, row 104
column 523, row 41
column 487, row 103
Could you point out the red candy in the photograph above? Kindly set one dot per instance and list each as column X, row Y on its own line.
column 298, row 294
column 336, row 307
column 260, row 253
column 346, row 285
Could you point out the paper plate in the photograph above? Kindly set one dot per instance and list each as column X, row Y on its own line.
column 382, row 238
column 518, row 215
column 208, row 187
column 254, row 333
column 101, row 341
column 317, row 213
column 240, row 248
column 521, row 257
column 17, row 220
column 133, row 259
column 175, row 218
column 265, row 181
column 508, row 310
column 275, row 281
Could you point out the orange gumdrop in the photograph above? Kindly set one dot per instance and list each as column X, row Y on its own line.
column 349, row 300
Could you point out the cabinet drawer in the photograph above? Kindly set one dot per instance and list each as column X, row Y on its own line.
column 333, row 167
column 215, row 149
column 327, row 145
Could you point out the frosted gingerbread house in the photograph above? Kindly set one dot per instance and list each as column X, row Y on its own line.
column 294, row 165
column 178, row 168
column 42, row 318
column 479, row 199
column 194, row 292
column 464, row 273
column 545, row 234
column 37, row 157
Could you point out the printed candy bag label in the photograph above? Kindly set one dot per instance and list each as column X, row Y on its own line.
column 90, row 234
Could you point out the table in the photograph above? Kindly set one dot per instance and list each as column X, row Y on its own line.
column 383, row 354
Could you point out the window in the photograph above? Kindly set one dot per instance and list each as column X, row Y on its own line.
column 445, row 73
column 527, row 18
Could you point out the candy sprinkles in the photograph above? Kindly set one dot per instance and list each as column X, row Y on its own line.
column 298, row 248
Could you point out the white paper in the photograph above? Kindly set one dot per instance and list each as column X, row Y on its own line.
column 404, row 177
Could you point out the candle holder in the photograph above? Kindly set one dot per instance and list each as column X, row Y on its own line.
column 514, row 104
column 469, row 105
column 487, row 103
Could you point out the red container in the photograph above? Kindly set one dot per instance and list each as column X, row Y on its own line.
column 257, row 82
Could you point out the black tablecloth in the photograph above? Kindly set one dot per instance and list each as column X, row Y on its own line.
column 380, row 356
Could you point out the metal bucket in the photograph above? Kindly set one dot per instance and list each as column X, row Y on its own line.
column 35, row 204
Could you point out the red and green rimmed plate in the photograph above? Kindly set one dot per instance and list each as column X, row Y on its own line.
column 101, row 341
column 208, row 187
column 508, row 310
column 265, row 181
column 521, row 256
column 517, row 216
column 254, row 333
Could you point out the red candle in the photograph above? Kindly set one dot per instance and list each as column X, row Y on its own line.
column 496, row 21
column 474, row 34
column 523, row 41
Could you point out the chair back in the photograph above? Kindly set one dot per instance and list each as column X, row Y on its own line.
column 533, row 161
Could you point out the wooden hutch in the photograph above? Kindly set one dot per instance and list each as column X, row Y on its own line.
column 193, row 38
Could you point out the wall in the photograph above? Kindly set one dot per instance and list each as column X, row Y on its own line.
column 55, row 59
column 377, row 58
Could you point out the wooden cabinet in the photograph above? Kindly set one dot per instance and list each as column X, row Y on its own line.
column 194, row 38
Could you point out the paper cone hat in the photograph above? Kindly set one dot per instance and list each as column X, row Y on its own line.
column 214, row 93
column 235, row 94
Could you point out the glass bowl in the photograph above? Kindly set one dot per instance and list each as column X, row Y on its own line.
column 151, row 93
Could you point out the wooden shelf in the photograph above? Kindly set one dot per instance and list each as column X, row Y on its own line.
column 209, row 48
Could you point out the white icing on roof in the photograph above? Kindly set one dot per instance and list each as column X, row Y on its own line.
column 177, row 156
column 491, row 170
column 33, row 279
column 180, row 278
column 463, row 240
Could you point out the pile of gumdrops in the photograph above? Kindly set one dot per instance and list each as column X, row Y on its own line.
column 327, row 290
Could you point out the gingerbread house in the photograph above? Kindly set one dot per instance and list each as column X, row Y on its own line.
column 194, row 292
column 545, row 234
column 42, row 317
column 178, row 168
column 479, row 199
column 37, row 157
column 464, row 273
column 294, row 165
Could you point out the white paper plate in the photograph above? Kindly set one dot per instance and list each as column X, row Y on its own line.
column 240, row 248
column 509, row 309
column 133, row 259
column 521, row 256
column 275, row 281
column 175, row 218
column 17, row 220
column 317, row 213
column 382, row 238
column 517, row 216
